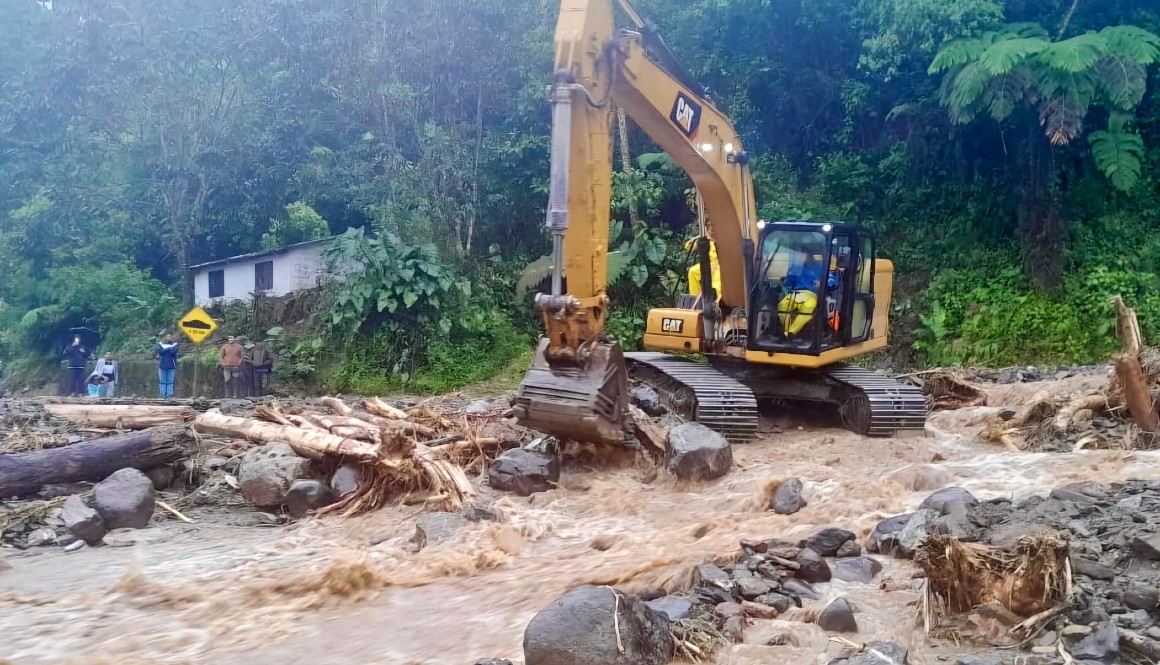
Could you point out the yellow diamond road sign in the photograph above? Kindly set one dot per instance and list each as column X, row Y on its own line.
column 197, row 325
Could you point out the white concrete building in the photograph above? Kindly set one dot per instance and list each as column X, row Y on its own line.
column 273, row 273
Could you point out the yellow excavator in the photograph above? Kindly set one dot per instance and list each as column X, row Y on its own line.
column 777, row 308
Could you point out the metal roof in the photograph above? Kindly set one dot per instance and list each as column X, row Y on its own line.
column 243, row 258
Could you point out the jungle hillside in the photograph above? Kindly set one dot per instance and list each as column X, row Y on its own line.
column 1005, row 152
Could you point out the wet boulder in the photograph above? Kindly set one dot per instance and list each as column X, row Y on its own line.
column 266, row 473
column 433, row 528
column 876, row 653
column 673, row 608
column 524, row 472
column 475, row 511
column 125, row 500
column 751, row 587
column 306, row 495
column 787, row 498
column 1147, row 547
column 696, row 452
column 838, row 617
column 827, row 542
column 346, row 480
column 939, row 501
column 857, row 569
column 1103, row 645
column 918, row 528
column 812, row 567
column 82, row 521
column 777, row 601
column 1141, row 596
column 796, row 588
column 884, row 538
column 579, row 629
column 648, row 399
column 849, row 549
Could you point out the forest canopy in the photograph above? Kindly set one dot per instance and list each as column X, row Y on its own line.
column 1005, row 152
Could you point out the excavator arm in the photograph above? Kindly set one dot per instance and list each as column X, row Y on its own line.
column 577, row 387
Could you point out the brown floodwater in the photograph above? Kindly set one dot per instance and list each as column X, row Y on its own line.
column 355, row 591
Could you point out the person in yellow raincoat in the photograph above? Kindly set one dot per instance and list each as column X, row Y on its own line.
column 695, row 270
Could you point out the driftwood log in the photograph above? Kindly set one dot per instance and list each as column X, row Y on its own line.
column 306, row 442
column 25, row 473
column 121, row 416
column 1129, row 371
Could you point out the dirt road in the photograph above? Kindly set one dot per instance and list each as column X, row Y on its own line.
column 354, row 591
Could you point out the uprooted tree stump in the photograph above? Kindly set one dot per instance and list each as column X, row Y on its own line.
column 1130, row 372
column 1028, row 580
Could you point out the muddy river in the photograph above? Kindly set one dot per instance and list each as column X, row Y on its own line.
column 356, row 592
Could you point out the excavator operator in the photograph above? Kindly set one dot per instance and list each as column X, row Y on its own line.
column 803, row 286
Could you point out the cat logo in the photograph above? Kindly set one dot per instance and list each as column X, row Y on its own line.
column 672, row 325
column 686, row 115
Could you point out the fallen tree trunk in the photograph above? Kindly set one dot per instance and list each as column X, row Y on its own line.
column 308, row 443
column 379, row 407
column 25, row 473
column 121, row 416
column 1136, row 395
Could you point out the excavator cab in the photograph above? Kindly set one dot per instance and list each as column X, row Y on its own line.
column 813, row 288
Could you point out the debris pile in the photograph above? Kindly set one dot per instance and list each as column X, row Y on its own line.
column 1070, row 573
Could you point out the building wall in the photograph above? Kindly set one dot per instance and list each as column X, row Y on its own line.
column 294, row 270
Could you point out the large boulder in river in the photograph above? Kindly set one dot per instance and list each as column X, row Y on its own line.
column 828, row 541
column 266, row 473
column 125, row 500
column 787, row 498
column 943, row 499
column 876, row 653
column 524, row 472
column 579, row 629
column 82, row 521
column 698, row 453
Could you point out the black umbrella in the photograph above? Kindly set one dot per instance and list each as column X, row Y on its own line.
column 90, row 339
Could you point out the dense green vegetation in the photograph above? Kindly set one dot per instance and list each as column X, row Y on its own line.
column 1005, row 151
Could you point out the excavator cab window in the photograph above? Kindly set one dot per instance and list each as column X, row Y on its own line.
column 811, row 290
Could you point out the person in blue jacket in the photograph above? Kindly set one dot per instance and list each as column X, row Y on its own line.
column 166, row 364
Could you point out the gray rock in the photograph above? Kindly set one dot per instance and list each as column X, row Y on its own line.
column 266, row 472
column 1063, row 494
column 474, row 511
column 161, row 476
column 82, row 521
column 648, row 399
column 1103, row 645
column 478, row 408
column 734, row 629
column 956, row 522
column 1147, row 547
column 787, row 498
column 42, row 536
column 436, row 528
column 878, row 653
column 827, row 541
column 750, row 588
column 346, row 480
column 884, row 538
column 493, row 661
column 849, row 549
column 212, row 464
column 1137, row 620
column 940, row 499
column 524, row 472
column 578, row 629
column 858, row 569
column 1140, row 596
column 125, row 500
column 838, row 617
column 673, row 608
column 1093, row 569
column 306, row 495
column 708, row 573
column 917, row 530
column 799, row 589
column 777, row 601
column 812, row 567
column 696, row 452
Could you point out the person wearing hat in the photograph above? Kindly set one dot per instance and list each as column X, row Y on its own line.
column 232, row 355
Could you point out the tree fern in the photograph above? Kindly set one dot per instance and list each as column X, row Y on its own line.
column 1004, row 55
column 1119, row 154
column 1121, row 81
column 956, row 53
column 1131, row 43
column 1077, row 54
column 966, row 91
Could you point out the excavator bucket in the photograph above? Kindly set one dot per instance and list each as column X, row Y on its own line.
column 587, row 401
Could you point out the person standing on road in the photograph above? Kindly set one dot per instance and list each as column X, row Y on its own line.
column 166, row 364
column 262, row 360
column 107, row 368
column 232, row 355
column 78, row 360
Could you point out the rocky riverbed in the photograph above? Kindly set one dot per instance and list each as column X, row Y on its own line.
column 371, row 589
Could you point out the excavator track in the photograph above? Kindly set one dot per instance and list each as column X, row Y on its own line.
column 876, row 405
column 698, row 392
